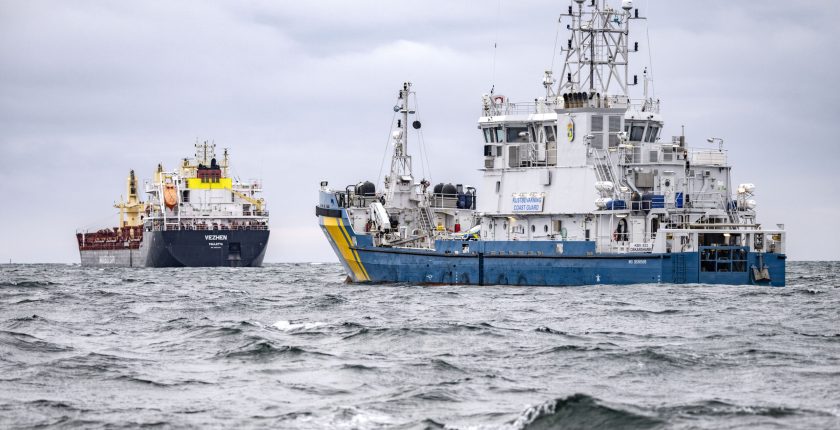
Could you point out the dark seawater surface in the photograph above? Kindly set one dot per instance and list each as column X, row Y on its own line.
column 293, row 346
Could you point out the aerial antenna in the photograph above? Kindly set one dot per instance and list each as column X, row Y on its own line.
column 650, row 55
column 554, row 51
column 495, row 46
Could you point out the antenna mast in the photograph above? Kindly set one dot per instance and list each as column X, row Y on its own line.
column 401, row 178
column 401, row 161
column 598, row 53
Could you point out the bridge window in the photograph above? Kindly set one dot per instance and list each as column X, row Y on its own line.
column 597, row 131
column 637, row 132
column 517, row 134
column 615, row 127
column 550, row 135
column 489, row 135
column 652, row 133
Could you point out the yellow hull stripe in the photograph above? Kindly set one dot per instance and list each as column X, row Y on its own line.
column 335, row 228
column 352, row 249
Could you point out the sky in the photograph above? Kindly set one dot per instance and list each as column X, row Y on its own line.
column 302, row 91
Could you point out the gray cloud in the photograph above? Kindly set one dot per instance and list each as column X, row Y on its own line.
column 302, row 91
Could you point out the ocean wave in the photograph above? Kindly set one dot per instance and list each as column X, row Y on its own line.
column 27, row 284
column 719, row 408
column 358, row 367
column 28, row 343
column 601, row 346
column 161, row 384
column 827, row 336
column 318, row 390
column 543, row 329
column 647, row 311
column 440, row 365
column 289, row 326
column 580, row 411
column 263, row 349
column 435, row 395
column 657, row 357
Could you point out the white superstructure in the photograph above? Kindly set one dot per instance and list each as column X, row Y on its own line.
column 586, row 162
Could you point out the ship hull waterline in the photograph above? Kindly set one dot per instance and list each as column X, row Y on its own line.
column 535, row 263
column 186, row 248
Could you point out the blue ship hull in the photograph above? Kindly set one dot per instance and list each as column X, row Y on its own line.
column 536, row 263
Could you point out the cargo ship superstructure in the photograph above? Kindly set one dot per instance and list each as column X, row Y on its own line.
column 579, row 188
column 197, row 215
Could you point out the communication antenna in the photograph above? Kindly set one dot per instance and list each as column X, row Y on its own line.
column 496, row 46
column 598, row 51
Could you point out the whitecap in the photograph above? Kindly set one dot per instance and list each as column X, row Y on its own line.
column 284, row 325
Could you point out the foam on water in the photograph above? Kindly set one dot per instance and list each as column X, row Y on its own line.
column 283, row 325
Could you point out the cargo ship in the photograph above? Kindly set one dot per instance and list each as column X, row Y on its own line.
column 579, row 187
column 195, row 216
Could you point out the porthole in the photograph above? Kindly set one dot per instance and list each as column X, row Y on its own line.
column 545, row 228
column 533, row 229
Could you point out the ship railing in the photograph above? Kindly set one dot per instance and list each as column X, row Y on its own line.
column 714, row 200
column 212, row 214
column 209, row 226
column 356, row 200
column 452, row 201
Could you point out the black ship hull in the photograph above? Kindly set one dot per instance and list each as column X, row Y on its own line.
column 206, row 248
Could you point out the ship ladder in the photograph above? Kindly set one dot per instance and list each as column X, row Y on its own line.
column 425, row 219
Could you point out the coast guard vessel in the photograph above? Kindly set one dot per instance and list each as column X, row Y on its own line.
column 579, row 187
column 196, row 215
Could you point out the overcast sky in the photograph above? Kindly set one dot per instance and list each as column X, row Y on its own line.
column 302, row 91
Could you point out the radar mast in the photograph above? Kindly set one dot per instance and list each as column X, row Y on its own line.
column 597, row 52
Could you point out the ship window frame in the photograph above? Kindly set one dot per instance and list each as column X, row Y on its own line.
column 634, row 128
column 651, row 133
column 596, row 130
column 500, row 134
column 550, row 133
column 510, row 132
column 532, row 132
column 489, row 135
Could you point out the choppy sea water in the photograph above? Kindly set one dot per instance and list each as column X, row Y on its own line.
column 293, row 346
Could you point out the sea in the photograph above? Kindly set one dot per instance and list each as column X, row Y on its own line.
column 293, row 346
